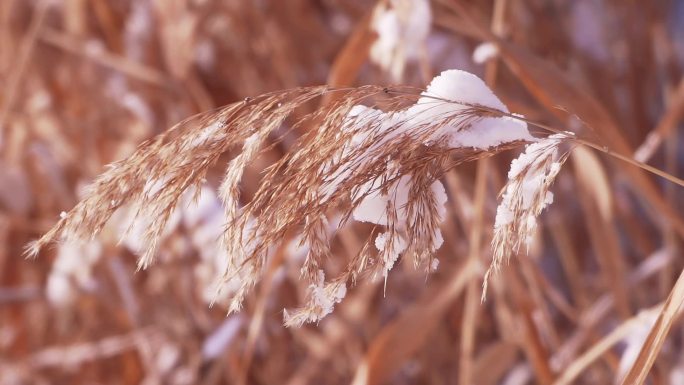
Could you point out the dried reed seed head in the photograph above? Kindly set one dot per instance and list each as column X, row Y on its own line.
column 366, row 164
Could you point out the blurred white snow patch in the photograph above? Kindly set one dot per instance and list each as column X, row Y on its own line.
column 677, row 374
column 132, row 228
column 465, row 90
column 635, row 339
column 72, row 272
column 166, row 357
column 217, row 342
column 402, row 27
column 205, row 54
column 521, row 374
column 485, row 52
column 204, row 218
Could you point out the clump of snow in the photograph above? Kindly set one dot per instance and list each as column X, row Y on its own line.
column 465, row 90
column 402, row 27
column 398, row 243
column 485, row 52
column 322, row 300
column 373, row 208
column 635, row 339
column 441, row 199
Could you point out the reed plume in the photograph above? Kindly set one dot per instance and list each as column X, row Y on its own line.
column 381, row 165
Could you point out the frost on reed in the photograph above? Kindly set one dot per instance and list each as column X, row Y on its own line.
column 376, row 165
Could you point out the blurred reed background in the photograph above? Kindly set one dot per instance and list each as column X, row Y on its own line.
column 84, row 82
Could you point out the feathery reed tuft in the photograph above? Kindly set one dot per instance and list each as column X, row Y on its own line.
column 380, row 166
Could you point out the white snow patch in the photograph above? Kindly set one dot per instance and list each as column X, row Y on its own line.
column 402, row 27
column 72, row 272
column 465, row 90
column 485, row 52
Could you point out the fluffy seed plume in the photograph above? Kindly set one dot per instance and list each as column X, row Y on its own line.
column 378, row 164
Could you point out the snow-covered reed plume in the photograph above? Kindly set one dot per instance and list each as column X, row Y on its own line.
column 525, row 196
column 374, row 155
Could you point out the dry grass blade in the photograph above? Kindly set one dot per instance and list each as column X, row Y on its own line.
column 649, row 352
column 594, row 196
column 406, row 334
column 27, row 47
column 351, row 58
column 667, row 123
column 580, row 364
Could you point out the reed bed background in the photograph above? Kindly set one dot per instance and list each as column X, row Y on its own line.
column 593, row 299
